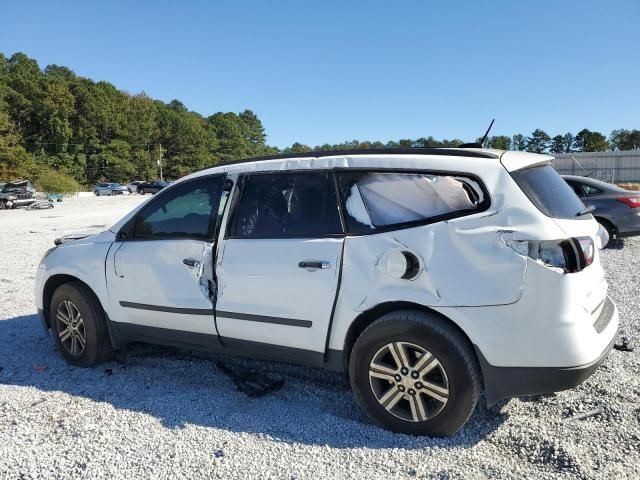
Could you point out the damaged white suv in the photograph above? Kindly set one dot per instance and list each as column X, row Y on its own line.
column 428, row 275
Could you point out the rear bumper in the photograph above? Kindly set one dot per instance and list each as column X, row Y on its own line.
column 507, row 382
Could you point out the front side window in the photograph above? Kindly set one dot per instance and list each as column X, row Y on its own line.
column 189, row 210
column 286, row 205
column 375, row 200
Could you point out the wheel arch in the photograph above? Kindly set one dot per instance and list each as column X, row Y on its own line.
column 362, row 321
column 600, row 218
column 52, row 284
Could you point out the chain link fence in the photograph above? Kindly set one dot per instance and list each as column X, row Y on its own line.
column 612, row 167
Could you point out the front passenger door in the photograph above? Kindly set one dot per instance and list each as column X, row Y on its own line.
column 161, row 275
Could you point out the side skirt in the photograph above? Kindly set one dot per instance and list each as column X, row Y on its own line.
column 124, row 333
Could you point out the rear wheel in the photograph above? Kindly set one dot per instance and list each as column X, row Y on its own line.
column 412, row 372
column 79, row 325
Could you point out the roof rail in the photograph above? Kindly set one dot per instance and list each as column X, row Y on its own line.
column 455, row 152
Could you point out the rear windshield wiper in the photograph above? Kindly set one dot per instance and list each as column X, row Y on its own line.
column 585, row 210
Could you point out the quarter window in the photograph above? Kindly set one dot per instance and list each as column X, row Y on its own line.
column 374, row 200
column 286, row 205
column 189, row 210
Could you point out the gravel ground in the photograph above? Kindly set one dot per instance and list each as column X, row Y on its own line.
column 159, row 412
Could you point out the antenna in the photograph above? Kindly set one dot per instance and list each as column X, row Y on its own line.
column 486, row 134
column 480, row 143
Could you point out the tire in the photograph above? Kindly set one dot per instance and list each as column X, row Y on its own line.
column 451, row 373
column 142, row 192
column 97, row 193
column 610, row 230
column 113, row 192
column 92, row 323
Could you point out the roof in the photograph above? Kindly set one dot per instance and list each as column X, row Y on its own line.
column 456, row 152
column 466, row 160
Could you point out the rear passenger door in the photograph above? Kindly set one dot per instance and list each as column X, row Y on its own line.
column 279, row 263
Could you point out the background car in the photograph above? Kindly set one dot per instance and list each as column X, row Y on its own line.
column 17, row 193
column 151, row 187
column 133, row 186
column 616, row 209
column 110, row 189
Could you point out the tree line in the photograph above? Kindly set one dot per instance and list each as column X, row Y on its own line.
column 538, row 142
column 55, row 123
column 61, row 130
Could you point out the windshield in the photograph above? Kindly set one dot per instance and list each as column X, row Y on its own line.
column 549, row 192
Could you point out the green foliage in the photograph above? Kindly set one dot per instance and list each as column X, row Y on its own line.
column 538, row 142
column 500, row 142
column 625, row 139
column 588, row 141
column 51, row 181
column 53, row 120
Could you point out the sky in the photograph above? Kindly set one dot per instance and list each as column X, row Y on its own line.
column 329, row 71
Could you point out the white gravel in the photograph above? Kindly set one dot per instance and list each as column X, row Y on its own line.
column 163, row 413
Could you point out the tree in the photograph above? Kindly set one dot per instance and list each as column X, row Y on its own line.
column 538, row 142
column 561, row 143
column 500, row 142
column 297, row 148
column 519, row 142
column 588, row 141
column 625, row 139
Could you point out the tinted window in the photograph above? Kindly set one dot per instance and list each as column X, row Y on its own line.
column 549, row 192
column 281, row 205
column 374, row 200
column 184, row 211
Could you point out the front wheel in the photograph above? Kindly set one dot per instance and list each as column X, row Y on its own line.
column 610, row 233
column 413, row 372
column 79, row 325
column 143, row 191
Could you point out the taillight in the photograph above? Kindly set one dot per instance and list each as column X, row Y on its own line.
column 588, row 250
column 633, row 202
column 565, row 256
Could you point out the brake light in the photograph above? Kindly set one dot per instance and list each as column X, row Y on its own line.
column 633, row 202
column 564, row 256
column 588, row 250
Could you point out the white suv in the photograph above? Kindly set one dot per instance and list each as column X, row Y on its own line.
column 428, row 275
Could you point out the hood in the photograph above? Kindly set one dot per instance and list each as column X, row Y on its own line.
column 17, row 186
column 85, row 238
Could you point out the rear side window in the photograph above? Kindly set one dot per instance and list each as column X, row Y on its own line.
column 189, row 210
column 590, row 189
column 387, row 200
column 548, row 191
column 286, row 205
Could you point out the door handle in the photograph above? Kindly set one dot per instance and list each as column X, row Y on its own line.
column 191, row 262
column 314, row 264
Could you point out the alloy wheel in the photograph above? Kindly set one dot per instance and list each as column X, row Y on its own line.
column 408, row 381
column 70, row 328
